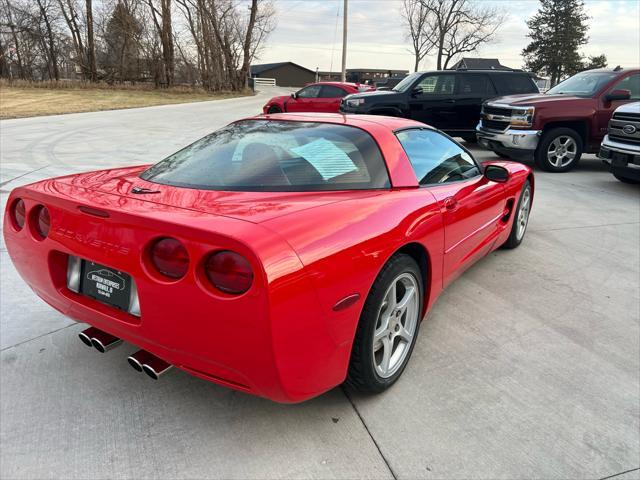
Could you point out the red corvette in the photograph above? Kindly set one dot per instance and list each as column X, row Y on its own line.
column 322, row 97
column 280, row 255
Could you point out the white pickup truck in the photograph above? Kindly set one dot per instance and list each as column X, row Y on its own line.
column 620, row 148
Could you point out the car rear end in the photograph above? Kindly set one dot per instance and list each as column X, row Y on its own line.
column 202, row 292
column 620, row 148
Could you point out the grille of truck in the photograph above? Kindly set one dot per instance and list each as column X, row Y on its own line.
column 494, row 125
column 629, row 121
column 488, row 109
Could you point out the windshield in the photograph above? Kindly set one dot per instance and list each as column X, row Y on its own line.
column 262, row 155
column 584, row 84
column 406, row 82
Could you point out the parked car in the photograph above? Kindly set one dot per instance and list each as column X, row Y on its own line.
column 278, row 256
column 620, row 148
column 315, row 97
column 449, row 100
column 557, row 127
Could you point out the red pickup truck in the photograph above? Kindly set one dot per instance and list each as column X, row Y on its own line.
column 555, row 128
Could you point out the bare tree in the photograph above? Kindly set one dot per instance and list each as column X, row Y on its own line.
column 91, row 46
column 450, row 27
column 50, row 40
column 164, row 29
column 416, row 18
column 226, row 39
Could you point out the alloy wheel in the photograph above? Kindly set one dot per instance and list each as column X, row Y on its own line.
column 562, row 151
column 396, row 326
column 523, row 213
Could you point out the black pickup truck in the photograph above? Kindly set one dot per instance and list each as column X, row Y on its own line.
column 449, row 100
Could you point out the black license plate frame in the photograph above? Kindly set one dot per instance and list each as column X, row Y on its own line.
column 106, row 285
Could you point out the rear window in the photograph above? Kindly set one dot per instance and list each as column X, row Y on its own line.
column 262, row 155
column 510, row 84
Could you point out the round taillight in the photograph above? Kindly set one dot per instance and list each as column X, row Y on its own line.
column 229, row 272
column 170, row 258
column 18, row 213
column 42, row 221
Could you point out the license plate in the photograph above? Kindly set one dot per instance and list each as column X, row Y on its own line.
column 107, row 285
column 619, row 159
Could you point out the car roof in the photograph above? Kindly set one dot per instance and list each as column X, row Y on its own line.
column 462, row 71
column 366, row 122
column 335, row 84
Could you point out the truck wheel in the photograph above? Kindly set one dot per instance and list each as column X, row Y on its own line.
column 559, row 150
column 501, row 155
column 388, row 326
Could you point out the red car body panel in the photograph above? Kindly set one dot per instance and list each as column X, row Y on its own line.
column 283, row 339
column 288, row 104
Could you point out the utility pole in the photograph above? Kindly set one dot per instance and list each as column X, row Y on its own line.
column 344, row 42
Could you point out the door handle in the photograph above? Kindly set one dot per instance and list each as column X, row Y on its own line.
column 450, row 203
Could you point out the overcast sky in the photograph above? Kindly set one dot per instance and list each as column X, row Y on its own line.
column 309, row 32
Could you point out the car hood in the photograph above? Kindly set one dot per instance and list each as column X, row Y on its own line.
column 373, row 94
column 534, row 99
column 279, row 99
column 256, row 207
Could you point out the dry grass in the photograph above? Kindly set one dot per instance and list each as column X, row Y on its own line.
column 29, row 99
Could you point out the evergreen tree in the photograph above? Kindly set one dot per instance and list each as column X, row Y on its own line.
column 599, row 61
column 556, row 31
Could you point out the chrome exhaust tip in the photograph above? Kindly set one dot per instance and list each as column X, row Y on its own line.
column 154, row 367
column 103, row 341
column 85, row 335
column 138, row 359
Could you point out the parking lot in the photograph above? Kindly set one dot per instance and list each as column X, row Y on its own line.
column 527, row 366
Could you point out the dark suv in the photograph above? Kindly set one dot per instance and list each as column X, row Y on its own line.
column 449, row 100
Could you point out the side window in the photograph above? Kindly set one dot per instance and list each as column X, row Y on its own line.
column 475, row 84
column 514, row 83
column 631, row 83
column 437, row 85
column 330, row 91
column 435, row 158
column 311, row 91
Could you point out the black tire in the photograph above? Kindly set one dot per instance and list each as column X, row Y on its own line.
column 362, row 374
column 274, row 110
column 470, row 138
column 514, row 240
column 543, row 158
column 501, row 155
column 625, row 179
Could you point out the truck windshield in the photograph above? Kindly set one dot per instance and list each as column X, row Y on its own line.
column 406, row 82
column 262, row 155
column 584, row 84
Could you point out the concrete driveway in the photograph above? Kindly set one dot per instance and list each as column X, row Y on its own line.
column 527, row 367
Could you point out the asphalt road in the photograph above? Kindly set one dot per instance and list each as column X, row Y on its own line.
column 527, row 367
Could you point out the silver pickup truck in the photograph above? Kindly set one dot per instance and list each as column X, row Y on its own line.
column 620, row 148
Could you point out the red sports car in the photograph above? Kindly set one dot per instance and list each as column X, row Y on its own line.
column 316, row 97
column 280, row 255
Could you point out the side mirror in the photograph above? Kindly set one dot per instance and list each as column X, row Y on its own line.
column 495, row 173
column 416, row 91
column 618, row 95
column 294, row 95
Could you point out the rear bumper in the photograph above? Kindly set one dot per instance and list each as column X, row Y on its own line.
column 272, row 341
column 524, row 141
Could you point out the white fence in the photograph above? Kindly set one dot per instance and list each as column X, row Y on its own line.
column 265, row 81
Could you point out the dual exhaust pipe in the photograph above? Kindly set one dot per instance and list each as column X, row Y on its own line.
column 141, row 361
